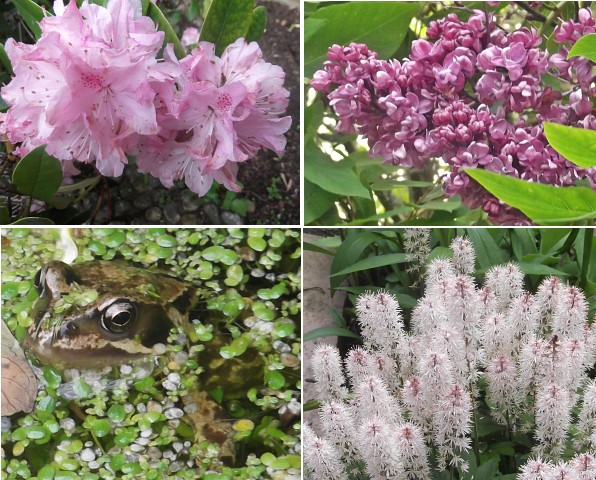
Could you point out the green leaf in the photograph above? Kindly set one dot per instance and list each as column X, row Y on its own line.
column 328, row 332
column 488, row 252
column 5, row 61
column 348, row 252
column 380, row 25
column 32, row 14
column 38, row 174
column 373, row 262
column 226, row 21
column 4, row 215
column 162, row 23
column 33, row 221
column 333, row 177
column 577, row 145
column 316, row 201
column 584, row 47
column 257, row 24
column 538, row 269
column 544, row 204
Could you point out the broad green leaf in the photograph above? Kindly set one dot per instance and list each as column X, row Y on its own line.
column 577, row 145
column 487, row 251
column 523, row 243
column 226, row 21
column 385, row 185
column 32, row 14
column 33, row 221
column 543, row 204
column 5, row 61
column 551, row 239
column 447, row 205
column 334, row 177
column 162, row 23
column 38, row 174
column 257, row 24
column 584, row 47
column 328, row 332
column 373, row 262
column 348, row 252
column 538, row 269
column 316, row 201
column 381, row 216
column 380, row 25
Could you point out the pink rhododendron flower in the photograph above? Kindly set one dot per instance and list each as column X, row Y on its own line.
column 220, row 112
column 83, row 88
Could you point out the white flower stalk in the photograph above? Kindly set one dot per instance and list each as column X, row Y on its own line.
column 498, row 336
column 338, row 425
column 501, row 375
column 553, row 417
column 535, row 469
column 387, row 370
column 584, row 465
column 440, row 280
column 358, row 365
column 575, row 363
column 586, row 426
column 546, row 297
column 464, row 257
column 412, row 451
column 414, row 402
column 380, row 318
column 530, row 363
column 506, row 281
column 378, row 449
column 427, row 314
column 563, row 471
column 570, row 311
column 326, row 367
column 372, row 397
column 522, row 316
column 417, row 247
column 436, row 377
column 487, row 302
column 452, row 424
column 322, row 461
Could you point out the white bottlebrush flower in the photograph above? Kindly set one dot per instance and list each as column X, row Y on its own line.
column 338, row 425
column 546, row 297
column 327, row 370
column 553, row 417
column 372, row 397
column 452, row 426
column 586, row 426
column 506, row 282
column 464, row 257
column 358, row 364
column 378, row 449
column 380, row 319
column 417, row 247
column 436, row 375
column 412, row 450
column 498, row 336
column 501, row 374
column 321, row 459
column 563, row 471
column 535, row 469
column 414, row 402
column 570, row 313
column 522, row 316
column 584, row 464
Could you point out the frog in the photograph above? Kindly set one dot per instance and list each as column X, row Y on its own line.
column 128, row 316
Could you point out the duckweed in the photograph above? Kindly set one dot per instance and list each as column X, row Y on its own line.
column 130, row 422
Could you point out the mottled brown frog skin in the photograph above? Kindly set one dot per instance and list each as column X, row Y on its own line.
column 124, row 324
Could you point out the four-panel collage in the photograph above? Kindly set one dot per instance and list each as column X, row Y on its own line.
column 297, row 240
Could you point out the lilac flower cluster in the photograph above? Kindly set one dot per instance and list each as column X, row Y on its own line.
column 92, row 90
column 413, row 393
column 472, row 95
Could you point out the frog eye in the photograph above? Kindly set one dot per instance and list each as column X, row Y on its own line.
column 119, row 316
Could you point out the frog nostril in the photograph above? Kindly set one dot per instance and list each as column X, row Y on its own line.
column 68, row 328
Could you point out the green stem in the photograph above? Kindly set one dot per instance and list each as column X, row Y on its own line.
column 512, row 461
column 551, row 16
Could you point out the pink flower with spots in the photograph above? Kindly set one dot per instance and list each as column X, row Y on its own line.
column 219, row 113
column 83, row 89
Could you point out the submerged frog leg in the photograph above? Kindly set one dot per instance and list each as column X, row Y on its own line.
column 210, row 425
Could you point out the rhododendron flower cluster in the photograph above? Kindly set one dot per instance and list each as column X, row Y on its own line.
column 92, row 90
column 472, row 95
column 526, row 356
